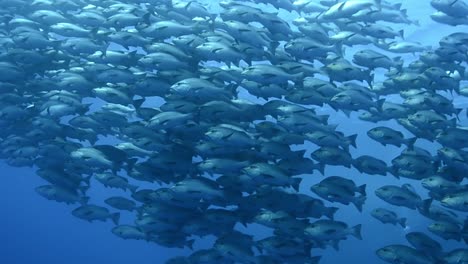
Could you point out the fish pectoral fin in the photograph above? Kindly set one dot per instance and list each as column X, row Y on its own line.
column 228, row 136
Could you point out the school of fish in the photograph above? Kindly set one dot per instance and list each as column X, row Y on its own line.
column 212, row 107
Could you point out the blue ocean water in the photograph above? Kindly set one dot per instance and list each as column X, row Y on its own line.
column 35, row 230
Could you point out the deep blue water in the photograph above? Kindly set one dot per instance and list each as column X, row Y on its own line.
column 35, row 230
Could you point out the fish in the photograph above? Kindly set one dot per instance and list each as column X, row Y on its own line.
column 286, row 249
column 440, row 186
column 400, row 196
column 59, row 194
column 346, row 9
column 121, row 203
column 448, row 230
column 423, row 242
column 264, row 173
column 386, row 135
column 333, row 156
column 129, row 232
column 92, row 212
column 337, row 189
column 372, row 59
column 454, row 8
column 343, row 70
column 457, row 200
column 115, row 181
column 456, row 256
column 326, row 230
column 403, row 254
column 387, row 216
column 370, row 165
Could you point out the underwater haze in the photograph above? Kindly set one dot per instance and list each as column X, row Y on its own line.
column 248, row 131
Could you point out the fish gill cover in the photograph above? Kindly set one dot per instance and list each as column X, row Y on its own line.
column 245, row 131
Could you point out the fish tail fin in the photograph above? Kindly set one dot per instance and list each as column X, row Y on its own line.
column 301, row 153
column 402, row 222
column 295, row 184
column 359, row 202
column 315, row 259
column 138, row 102
column 362, row 189
column 330, row 213
column 426, row 204
column 453, row 122
column 273, row 46
column 131, row 163
column 370, row 78
column 339, row 49
column 213, row 21
column 346, row 112
column 379, row 104
column 190, row 243
column 147, row 18
column 378, row 4
column 465, row 231
column 335, row 245
column 399, row 62
column 232, row 87
column 94, row 33
column 321, row 168
column 457, row 113
column 356, row 231
column 402, row 34
column 84, row 200
column 132, row 188
column 83, row 189
column 115, row 218
column 352, row 140
column 87, row 180
column 139, row 211
column 410, row 142
column 394, row 172
column 299, row 78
